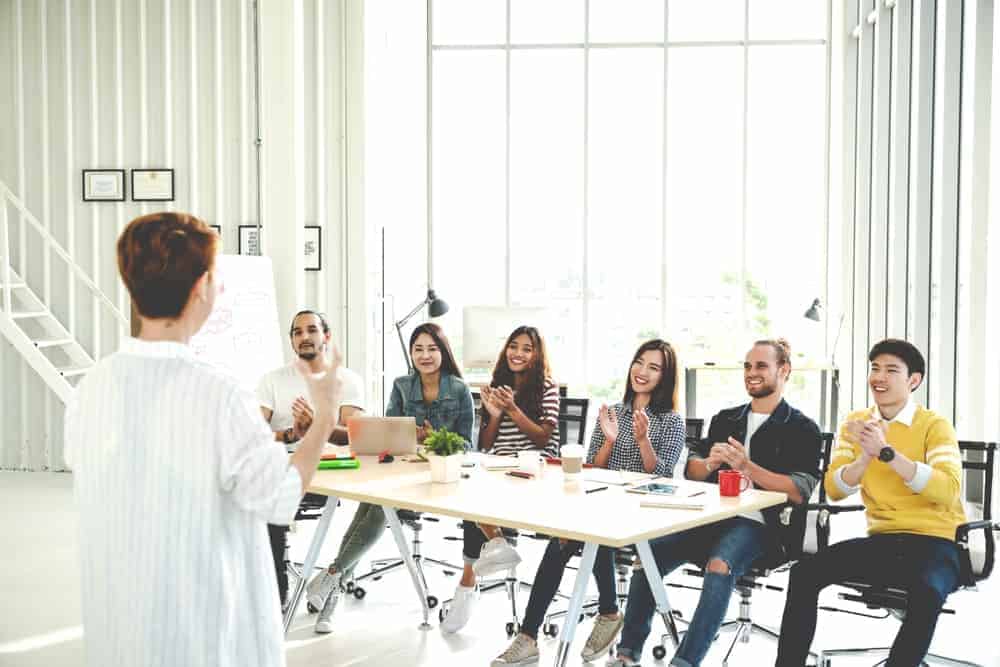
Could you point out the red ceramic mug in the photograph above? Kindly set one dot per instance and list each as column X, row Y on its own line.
column 732, row 483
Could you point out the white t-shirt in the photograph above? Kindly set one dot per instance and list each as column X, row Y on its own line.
column 754, row 421
column 175, row 477
column 279, row 389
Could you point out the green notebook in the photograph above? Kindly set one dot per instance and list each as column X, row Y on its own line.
column 339, row 464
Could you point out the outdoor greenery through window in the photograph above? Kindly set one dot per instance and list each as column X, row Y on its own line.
column 639, row 169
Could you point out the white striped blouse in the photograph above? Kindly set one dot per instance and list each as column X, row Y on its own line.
column 510, row 440
column 176, row 476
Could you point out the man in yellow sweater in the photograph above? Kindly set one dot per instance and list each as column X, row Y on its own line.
column 905, row 461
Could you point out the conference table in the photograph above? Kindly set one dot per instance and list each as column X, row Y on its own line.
column 550, row 503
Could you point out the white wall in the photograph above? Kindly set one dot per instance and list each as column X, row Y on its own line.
column 169, row 83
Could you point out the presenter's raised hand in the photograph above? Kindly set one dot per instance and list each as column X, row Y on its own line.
column 324, row 386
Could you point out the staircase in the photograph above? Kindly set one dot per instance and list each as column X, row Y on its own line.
column 28, row 323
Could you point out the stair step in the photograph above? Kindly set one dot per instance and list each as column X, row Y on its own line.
column 28, row 314
column 70, row 371
column 52, row 342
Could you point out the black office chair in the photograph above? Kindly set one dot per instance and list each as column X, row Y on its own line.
column 694, row 427
column 977, row 558
column 794, row 517
column 573, row 412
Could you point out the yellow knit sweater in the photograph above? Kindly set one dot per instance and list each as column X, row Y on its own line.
column 890, row 505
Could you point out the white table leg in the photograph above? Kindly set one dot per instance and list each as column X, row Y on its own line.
column 404, row 551
column 576, row 602
column 322, row 526
column 659, row 591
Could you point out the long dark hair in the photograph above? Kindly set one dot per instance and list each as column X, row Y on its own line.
column 529, row 395
column 448, row 364
column 664, row 395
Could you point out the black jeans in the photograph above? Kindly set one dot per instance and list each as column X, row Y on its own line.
column 278, row 536
column 926, row 567
column 473, row 540
column 549, row 576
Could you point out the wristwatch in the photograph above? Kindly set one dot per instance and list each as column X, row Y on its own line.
column 886, row 454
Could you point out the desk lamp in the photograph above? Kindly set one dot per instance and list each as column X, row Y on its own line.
column 815, row 313
column 435, row 308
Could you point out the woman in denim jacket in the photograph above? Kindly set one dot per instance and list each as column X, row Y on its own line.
column 435, row 395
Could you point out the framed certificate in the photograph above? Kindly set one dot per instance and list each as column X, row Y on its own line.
column 103, row 185
column 314, row 248
column 152, row 185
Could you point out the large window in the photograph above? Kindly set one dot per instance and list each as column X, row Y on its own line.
column 649, row 168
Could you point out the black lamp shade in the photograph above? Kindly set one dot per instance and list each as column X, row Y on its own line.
column 436, row 307
column 814, row 311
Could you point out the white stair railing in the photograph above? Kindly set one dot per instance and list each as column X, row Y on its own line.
column 49, row 334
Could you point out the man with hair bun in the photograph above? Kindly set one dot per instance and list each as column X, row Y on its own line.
column 176, row 474
column 776, row 448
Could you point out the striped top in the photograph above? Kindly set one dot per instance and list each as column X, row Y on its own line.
column 666, row 434
column 175, row 477
column 510, row 440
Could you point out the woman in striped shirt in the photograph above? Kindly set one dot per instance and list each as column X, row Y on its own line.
column 520, row 413
column 644, row 434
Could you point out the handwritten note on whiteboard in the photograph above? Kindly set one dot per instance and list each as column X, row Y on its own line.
column 242, row 336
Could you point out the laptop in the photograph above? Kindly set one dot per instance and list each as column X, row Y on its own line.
column 374, row 435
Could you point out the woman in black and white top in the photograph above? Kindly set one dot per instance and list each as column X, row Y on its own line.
column 644, row 434
column 520, row 412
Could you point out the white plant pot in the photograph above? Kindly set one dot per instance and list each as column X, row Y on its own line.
column 445, row 469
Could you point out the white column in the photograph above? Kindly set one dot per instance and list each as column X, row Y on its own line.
column 282, row 131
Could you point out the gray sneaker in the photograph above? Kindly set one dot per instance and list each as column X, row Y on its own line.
column 324, row 623
column 319, row 589
column 602, row 636
column 523, row 651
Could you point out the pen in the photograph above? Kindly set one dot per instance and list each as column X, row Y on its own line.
column 700, row 493
column 596, row 488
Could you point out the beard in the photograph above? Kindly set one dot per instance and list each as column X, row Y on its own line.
column 762, row 391
column 308, row 354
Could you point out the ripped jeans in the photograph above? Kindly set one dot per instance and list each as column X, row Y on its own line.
column 736, row 541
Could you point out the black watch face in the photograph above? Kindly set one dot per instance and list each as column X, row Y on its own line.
column 886, row 454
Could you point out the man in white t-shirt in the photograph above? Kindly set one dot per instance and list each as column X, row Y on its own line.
column 282, row 398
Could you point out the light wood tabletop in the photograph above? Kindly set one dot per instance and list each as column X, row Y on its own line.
column 547, row 504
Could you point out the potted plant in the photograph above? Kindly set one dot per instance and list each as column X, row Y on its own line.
column 443, row 448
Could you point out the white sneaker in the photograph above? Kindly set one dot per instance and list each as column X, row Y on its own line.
column 523, row 651
column 601, row 637
column 319, row 589
column 461, row 608
column 324, row 623
column 497, row 555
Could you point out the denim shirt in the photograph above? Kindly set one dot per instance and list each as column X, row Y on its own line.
column 452, row 408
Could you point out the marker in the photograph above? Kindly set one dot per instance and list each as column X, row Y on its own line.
column 595, row 489
column 522, row 475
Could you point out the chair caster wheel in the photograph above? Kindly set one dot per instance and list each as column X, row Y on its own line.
column 359, row 593
column 311, row 609
column 442, row 613
column 349, row 587
column 551, row 630
column 659, row 652
column 512, row 629
column 431, row 602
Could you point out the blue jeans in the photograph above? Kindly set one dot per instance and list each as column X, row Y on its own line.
column 736, row 541
column 926, row 567
column 549, row 576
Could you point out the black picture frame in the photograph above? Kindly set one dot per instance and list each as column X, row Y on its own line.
column 143, row 193
column 248, row 243
column 218, row 229
column 313, row 248
column 89, row 195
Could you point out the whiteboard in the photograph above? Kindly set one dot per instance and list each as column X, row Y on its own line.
column 485, row 330
column 242, row 337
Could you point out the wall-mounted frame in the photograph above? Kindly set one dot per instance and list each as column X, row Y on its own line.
column 249, row 242
column 313, row 248
column 152, row 185
column 103, row 185
column 218, row 229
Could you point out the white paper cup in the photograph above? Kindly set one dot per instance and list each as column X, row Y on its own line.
column 572, row 459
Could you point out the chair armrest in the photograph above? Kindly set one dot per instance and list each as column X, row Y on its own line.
column 962, row 532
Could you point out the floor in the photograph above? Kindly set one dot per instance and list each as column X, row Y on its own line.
column 40, row 616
